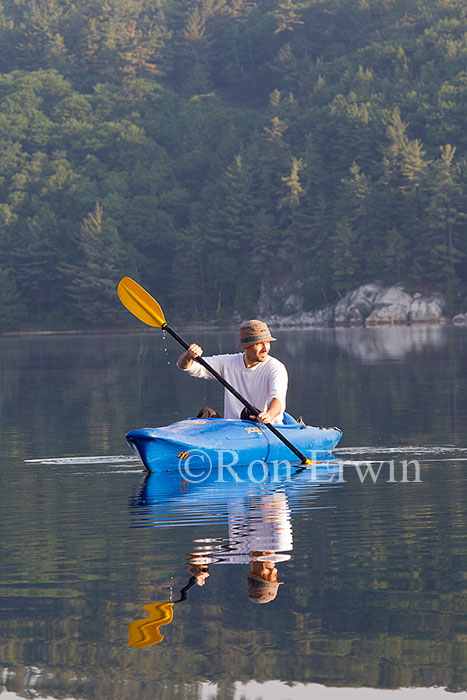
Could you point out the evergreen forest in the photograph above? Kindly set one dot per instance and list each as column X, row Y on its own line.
column 209, row 148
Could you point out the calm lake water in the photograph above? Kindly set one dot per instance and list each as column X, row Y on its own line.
column 372, row 570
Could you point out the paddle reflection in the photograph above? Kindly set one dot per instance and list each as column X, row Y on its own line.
column 259, row 531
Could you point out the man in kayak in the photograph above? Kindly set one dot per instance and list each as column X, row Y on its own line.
column 257, row 376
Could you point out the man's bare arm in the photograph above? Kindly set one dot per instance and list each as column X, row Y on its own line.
column 272, row 412
column 186, row 358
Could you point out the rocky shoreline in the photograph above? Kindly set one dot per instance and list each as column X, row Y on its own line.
column 369, row 305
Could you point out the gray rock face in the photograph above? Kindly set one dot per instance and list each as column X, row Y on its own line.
column 427, row 309
column 391, row 305
column 371, row 305
column 394, row 305
column 305, row 319
column 355, row 306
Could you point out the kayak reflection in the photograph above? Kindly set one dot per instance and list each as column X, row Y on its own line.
column 258, row 519
column 169, row 498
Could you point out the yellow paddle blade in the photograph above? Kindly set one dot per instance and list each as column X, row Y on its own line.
column 140, row 303
column 144, row 633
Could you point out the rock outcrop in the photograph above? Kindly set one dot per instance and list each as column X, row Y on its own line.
column 394, row 305
column 305, row 319
column 427, row 309
column 356, row 306
column 370, row 305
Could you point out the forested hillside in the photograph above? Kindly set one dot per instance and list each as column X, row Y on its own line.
column 206, row 147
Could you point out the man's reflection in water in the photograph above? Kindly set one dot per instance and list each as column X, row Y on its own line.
column 262, row 579
column 199, row 571
column 259, row 530
column 258, row 533
column 262, row 583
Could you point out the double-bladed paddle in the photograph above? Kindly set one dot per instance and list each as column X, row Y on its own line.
column 143, row 306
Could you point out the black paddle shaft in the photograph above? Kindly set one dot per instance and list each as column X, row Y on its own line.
column 238, row 396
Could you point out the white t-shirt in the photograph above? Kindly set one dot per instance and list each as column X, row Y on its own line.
column 253, row 527
column 259, row 384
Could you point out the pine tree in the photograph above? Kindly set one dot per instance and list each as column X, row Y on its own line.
column 265, row 248
column 290, row 202
column 12, row 310
column 446, row 217
column 396, row 256
column 230, row 237
column 403, row 196
column 358, row 203
column 195, row 297
column 345, row 262
column 413, row 166
column 144, row 51
column 396, row 134
column 32, row 257
column 41, row 42
column 96, row 274
column 192, row 59
column 286, row 16
column 272, row 162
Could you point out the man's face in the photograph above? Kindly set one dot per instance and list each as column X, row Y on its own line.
column 257, row 352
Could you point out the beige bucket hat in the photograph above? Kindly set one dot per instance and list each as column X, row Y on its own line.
column 252, row 332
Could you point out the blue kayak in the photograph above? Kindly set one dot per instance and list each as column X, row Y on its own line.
column 204, row 443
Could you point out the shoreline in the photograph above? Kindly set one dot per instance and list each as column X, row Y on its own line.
column 279, row 325
column 370, row 305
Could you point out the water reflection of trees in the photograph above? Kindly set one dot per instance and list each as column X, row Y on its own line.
column 92, row 389
column 375, row 596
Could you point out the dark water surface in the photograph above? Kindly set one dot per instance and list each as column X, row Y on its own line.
column 372, row 571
